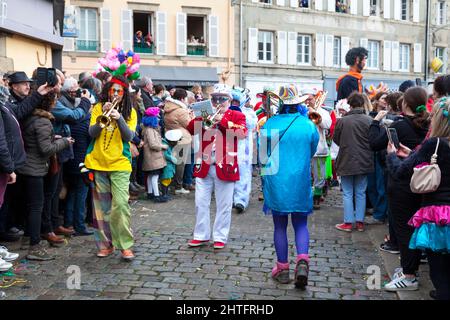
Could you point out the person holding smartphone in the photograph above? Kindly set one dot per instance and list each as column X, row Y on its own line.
column 40, row 144
column 411, row 130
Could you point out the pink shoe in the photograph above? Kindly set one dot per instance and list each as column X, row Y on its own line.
column 280, row 272
column 197, row 243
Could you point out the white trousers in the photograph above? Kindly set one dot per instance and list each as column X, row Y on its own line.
column 223, row 191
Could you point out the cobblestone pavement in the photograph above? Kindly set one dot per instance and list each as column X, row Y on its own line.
column 165, row 268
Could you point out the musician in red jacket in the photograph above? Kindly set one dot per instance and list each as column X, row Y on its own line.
column 216, row 168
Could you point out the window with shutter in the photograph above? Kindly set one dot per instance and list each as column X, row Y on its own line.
column 374, row 55
column 329, row 42
column 195, row 35
column 405, row 9
column 416, row 10
column 281, row 2
column 404, row 57
column 397, row 10
column 366, row 8
column 318, row 5
column 292, row 48
column 331, row 5
column 395, row 55
column 417, row 57
column 440, row 52
column 143, row 35
column 265, row 46
column 354, row 7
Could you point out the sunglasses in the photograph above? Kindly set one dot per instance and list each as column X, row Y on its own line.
column 113, row 91
column 219, row 99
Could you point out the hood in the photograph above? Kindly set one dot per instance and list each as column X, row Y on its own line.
column 172, row 105
column 43, row 114
column 4, row 95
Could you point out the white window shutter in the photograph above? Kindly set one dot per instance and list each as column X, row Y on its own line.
column 214, row 36
column 294, row 3
column 319, row 5
column 127, row 29
column 181, row 34
column 397, row 10
column 418, row 57
column 281, row 2
column 366, row 8
column 345, row 47
column 331, row 6
column 387, row 9
column 161, row 33
column 106, row 25
column 416, row 10
column 320, row 49
column 292, row 48
column 364, row 42
column 329, row 43
column 282, row 47
column 353, row 6
column 395, row 55
column 387, row 55
column 252, row 45
column 69, row 44
column 255, row 1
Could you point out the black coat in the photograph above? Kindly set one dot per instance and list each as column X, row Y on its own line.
column 404, row 169
column 13, row 156
column 80, row 133
column 408, row 135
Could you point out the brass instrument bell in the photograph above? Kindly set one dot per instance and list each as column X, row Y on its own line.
column 104, row 120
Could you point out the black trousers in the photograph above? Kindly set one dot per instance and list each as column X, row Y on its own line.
column 402, row 206
column 440, row 273
column 51, row 218
column 12, row 212
column 34, row 198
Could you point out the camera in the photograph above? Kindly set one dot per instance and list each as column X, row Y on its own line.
column 46, row 75
column 79, row 92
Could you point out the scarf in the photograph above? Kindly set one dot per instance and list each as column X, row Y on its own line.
column 353, row 74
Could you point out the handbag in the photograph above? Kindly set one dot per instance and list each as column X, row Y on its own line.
column 54, row 165
column 426, row 178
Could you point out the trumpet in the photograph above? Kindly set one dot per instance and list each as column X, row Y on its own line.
column 314, row 116
column 104, row 120
column 209, row 121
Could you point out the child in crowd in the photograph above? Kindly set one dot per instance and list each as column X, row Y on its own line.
column 171, row 139
column 154, row 160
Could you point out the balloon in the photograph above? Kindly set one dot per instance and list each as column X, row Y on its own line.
column 134, row 68
column 121, row 70
column 113, row 65
column 121, row 56
column 130, row 53
column 130, row 61
column 136, row 58
column 135, row 76
column 103, row 62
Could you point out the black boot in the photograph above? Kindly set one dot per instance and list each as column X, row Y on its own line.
column 316, row 202
column 165, row 192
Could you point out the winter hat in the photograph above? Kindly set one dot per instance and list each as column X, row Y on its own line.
column 152, row 112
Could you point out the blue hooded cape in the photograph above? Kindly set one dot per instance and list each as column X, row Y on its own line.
column 286, row 170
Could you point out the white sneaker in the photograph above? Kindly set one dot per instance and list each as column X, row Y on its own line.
column 182, row 191
column 398, row 272
column 6, row 255
column 401, row 283
column 5, row 266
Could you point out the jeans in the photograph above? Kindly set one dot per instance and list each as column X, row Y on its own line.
column 354, row 186
column 189, row 171
column 377, row 191
column 34, row 197
column 76, row 203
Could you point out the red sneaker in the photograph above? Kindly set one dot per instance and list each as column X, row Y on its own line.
column 197, row 243
column 347, row 227
column 360, row 226
column 219, row 245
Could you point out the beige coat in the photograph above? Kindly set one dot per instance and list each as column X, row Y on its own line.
column 176, row 116
column 153, row 150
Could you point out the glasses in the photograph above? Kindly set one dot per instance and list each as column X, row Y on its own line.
column 219, row 99
column 113, row 92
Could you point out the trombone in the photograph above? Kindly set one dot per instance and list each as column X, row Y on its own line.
column 104, row 120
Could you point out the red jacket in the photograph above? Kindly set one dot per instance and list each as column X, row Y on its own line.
column 231, row 128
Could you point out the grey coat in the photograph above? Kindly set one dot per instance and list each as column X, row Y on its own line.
column 40, row 144
column 352, row 136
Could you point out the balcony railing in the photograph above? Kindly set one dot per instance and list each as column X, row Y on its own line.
column 87, row 45
column 196, row 50
column 138, row 48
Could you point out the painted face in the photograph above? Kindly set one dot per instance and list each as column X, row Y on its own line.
column 116, row 91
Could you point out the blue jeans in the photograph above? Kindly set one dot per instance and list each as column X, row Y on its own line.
column 76, row 203
column 377, row 191
column 189, row 171
column 354, row 187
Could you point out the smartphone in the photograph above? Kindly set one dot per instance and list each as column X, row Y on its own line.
column 393, row 137
column 46, row 75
